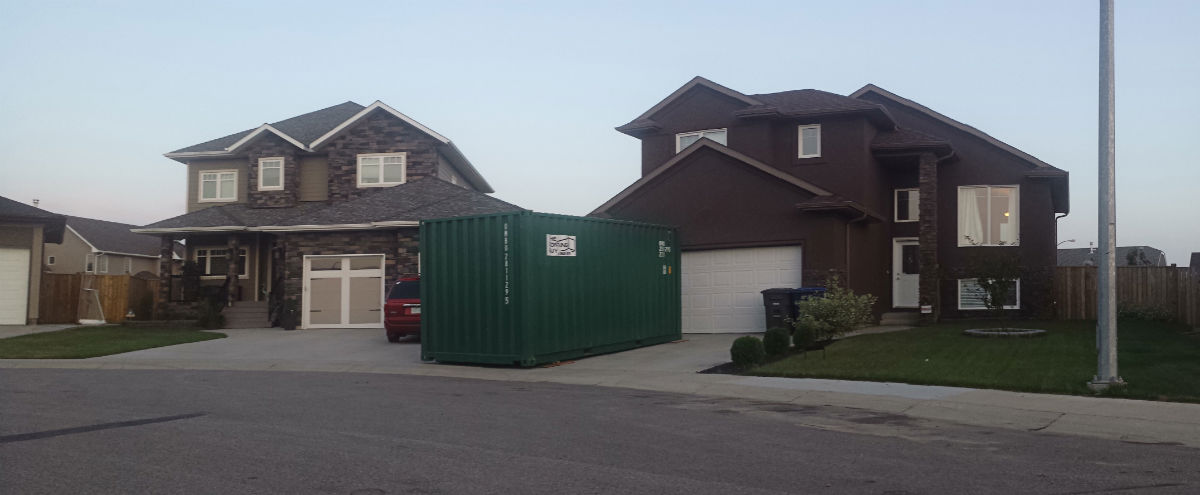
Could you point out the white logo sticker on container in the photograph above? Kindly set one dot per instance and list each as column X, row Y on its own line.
column 560, row 245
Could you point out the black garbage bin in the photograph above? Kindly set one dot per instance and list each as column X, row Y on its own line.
column 778, row 305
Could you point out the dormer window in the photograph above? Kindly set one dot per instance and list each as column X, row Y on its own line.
column 270, row 174
column 381, row 169
column 810, row 141
column 685, row 139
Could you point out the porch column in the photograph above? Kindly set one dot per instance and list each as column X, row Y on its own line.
column 232, row 271
column 927, row 214
column 166, row 262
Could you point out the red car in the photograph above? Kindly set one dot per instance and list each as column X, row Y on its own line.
column 402, row 311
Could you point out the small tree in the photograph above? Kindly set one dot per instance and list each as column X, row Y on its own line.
column 996, row 272
column 825, row 318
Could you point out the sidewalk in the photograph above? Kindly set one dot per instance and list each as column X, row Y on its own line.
column 672, row 368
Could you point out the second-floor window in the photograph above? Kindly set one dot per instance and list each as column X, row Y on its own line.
column 270, row 174
column 685, row 139
column 907, row 201
column 218, row 185
column 810, row 141
column 988, row 216
column 381, row 169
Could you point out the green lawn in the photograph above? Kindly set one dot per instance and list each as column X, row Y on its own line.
column 86, row 342
column 1158, row 360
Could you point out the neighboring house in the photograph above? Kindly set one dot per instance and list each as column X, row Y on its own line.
column 24, row 230
column 322, row 209
column 1126, row 256
column 785, row 189
column 103, row 248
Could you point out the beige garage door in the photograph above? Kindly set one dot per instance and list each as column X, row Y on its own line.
column 14, row 285
column 343, row 291
column 721, row 287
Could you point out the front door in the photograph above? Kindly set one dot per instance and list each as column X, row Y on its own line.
column 343, row 291
column 906, row 272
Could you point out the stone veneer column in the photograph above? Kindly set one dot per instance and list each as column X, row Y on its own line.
column 233, row 270
column 929, row 293
column 166, row 261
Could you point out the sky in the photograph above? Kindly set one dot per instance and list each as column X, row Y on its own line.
column 93, row 93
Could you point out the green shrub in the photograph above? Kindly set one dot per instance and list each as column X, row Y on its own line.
column 747, row 351
column 776, row 341
column 840, row 311
column 804, row 336
column 211, row 317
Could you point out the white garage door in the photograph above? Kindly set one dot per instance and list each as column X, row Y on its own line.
column 14, row 285
column 343, row 291
column 721, row 287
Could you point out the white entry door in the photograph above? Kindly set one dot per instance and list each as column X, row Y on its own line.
column 14, row 285
column 721, row 287
column 906, row 272
column 343, row 291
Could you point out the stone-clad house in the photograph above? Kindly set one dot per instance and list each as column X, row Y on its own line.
column 785, row 189
column 322, row 209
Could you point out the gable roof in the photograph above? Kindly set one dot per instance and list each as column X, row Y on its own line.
column 705, row 143
column 113, row 237
column 1085, row 256
column 871, row 88
column 302, row 128
column 398, row 206
column 312, row 130
column 15, row 211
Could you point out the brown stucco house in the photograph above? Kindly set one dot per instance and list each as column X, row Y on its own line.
column 786, row 189
column 102, row 247
column 24, row 231
column 322, row 209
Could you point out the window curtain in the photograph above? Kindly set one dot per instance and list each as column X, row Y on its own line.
column 970, row 220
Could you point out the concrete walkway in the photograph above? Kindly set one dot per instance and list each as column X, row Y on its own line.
column 672, row 368
column 7, row 331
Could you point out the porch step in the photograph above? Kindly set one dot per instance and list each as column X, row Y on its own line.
column 900, row 318
column 246, row 314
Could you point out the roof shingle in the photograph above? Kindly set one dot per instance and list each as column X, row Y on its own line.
column 305, row 128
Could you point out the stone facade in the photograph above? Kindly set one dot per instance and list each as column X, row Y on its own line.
column 928, row 293
column 379, row 132
column 399, row 247
column 270, row 146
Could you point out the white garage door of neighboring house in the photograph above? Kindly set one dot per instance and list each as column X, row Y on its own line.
column 14, row 285
column 721, row 287
column 343, row 291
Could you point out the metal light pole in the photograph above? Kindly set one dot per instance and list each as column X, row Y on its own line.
column 1106, row 300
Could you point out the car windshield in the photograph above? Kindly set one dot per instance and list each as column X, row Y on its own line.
column 406, row 290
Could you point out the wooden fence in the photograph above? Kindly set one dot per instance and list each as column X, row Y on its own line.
column 64, row 298
column 1167, row 289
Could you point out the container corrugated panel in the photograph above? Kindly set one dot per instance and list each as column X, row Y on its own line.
column 529, row 288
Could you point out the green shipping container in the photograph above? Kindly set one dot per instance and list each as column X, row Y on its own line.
column 529, row 288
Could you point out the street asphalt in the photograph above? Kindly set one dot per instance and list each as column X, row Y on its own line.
column 189, row 431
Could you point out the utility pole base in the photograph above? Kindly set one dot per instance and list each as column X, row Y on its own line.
column 1098, row 385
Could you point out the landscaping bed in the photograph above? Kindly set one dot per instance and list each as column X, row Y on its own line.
column 1160, row 361
column 93, row 341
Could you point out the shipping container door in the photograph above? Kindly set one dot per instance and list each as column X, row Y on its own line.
column 721, row 287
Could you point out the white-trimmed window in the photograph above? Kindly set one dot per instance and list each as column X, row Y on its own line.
column 971, row 296
column 810, row 141
column 988, row 216
column 101, row 263
column 214, row 262
column 270, row 174
column 685, row 139
column 906, row 205
column 89, row 263
column 382, row 169
column 128, row 265
column 50, row 261
column 218, row 186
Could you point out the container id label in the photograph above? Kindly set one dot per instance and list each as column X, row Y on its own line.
column 560, row 245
